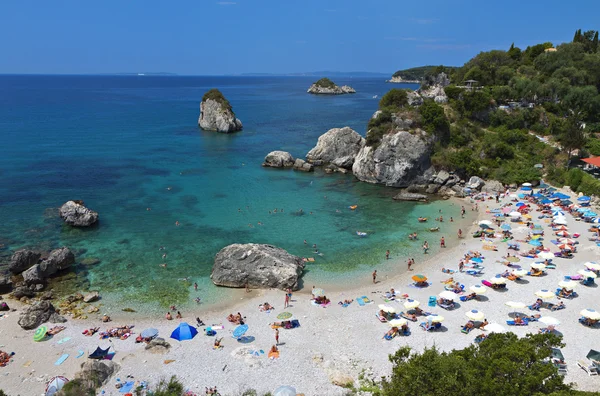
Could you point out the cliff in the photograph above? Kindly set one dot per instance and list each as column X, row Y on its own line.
column 216, row 114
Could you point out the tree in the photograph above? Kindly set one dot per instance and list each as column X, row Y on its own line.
column 595, row 42
column 395, row 99
column 502, row 364
column 573, row 136
column 434, row 120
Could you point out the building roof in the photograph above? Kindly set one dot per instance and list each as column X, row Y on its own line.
column 592, row 161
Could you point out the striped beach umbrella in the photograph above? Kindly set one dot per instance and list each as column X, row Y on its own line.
column 40, row 333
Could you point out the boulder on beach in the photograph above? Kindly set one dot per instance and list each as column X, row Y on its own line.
column 38, row 313
column 216, row 113
column 5, row 284
column 75, row 213
column 23, row 259
column 158, row 345
column 327, row 87
column 259, row 266
column 337, row 146
column 279, row 159
column 493, row 187
column 475, row 183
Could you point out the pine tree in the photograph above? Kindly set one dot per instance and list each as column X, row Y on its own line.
column 512, row 46
column 595, row 42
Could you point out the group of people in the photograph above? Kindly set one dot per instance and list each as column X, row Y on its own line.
column 235, row 319
column 178, row 315
column 121, row 332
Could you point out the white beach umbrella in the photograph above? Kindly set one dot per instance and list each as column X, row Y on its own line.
column 526, row 184
column 592, row 266
column 520, row 272
column 568, row 241
column 495, row 328
column 486, row 223
column 546, row 255
column 590, row 314
column 387, row 308
column 561, row 221
column 545, row 294
column 514, row 214
column 498, row 280
column 448, row 295
column 538, row 265
column 568, row 284
column 435, row 318
column 549, row 320
column 478, row 289
column 474, row 315
column 411, row 304
column 587, row 274
column 397, row 322
column 515, row 305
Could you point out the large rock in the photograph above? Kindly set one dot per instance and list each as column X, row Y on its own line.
column 58, row 260
column 23, row 259
column 338, row 146
column 76, row 214
column 319, row 90
column 91, row 297
column 492, row 187
column 414, row 99
column 303, row 166
column 158, row 345
column 278, row 159
column 407, row 196
column 22, row 291
column 259, row 266
column 399, row 159
column 38, row 313
column 475, row 183
column 442, row 177
column 217, row 115
column 95, row 373
column 433, row 88
column 5, row 284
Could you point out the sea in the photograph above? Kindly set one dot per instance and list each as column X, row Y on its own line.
column 131, row 149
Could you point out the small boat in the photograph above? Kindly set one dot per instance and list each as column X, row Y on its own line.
column 361, row 234
column 353, row 207
column 374, row 96
column 422, row 219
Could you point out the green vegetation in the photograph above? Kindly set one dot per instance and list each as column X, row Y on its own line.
column 217, row 96
column 78, row 387
column 395, row 99
column 172, row 388
column 325, row 83
column 419, row 73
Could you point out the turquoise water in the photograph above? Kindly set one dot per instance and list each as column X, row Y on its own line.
column 125, row 144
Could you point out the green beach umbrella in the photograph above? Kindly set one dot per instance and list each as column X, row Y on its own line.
column 284, row 315
column 40, row 333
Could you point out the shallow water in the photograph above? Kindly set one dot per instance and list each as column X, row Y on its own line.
column 128, row 144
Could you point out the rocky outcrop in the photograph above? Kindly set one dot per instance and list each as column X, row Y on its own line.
column 475, row 183
column 407, row 196
column 303, row 166
column 158, row 345
column 337, row 146
column 217, row 115
column 279, row 159
column 258, row 266
column 433, row 88
column 23, row 259
column 76, row 214
column 414, row 99
column 330, row 90
column 93, row 374
column 38, row 313
column 400, row 80
column 5, row 284
column 22, row 291
column 396, row 162
column 493, row 187
column 58, row 260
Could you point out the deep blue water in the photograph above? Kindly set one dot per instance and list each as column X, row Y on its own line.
column 127, row 143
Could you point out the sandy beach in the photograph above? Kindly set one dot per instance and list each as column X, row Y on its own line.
column 333, row 344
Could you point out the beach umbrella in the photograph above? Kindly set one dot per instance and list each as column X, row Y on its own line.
column 506, row 227
column 513, row 259
column 184, row 332
column 498, row 280
column 318, row 292
column 506, row 209
column 587, row 274
column 549, row 320
column 411, row 304
column 475, row 315
column 419, row 278
column 397, row 322
column 519, row 272
column 284, row 315
column 539, row 266
column 564, row 246
column 387, row 308
column 546, row 201
column 568, row 241
column 590, row 314
column 584, row 199
column 514, row 214
column 545, row 294
column 535, row 242
column 561, row 221
column 526, row 184
column 515, row 305
column 55, row 384
column 519, row 204
column 448, row 295
column 478, row 289
column 562, row 234
column 537, row 233
column 477, row 260
column 513, row 196
column 567, row 284
column 495, row 328
column 149, row 333
column 526, row 188
column 240, row 331
column 561, row 228
column 546, row 255
column 590, row 265
column 596, row 220
column 285, row 391
column 40, row 333
column 485, row 222
column 435, row 318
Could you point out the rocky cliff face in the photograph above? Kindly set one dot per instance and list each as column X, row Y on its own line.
column 433, row 88
column 76, row 214
column 214, row 116
column 319, row 90
column 396, row 162
column 259, row 266
column 338, row 146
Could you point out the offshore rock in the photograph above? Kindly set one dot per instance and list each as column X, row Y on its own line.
column 337, row 146
column 76, row 214
column 58, row 260
column 319, row 90
column 279, row 159
column 303, row 166
column 259, row 266
column 217, row 115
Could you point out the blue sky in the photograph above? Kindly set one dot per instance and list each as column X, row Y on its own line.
column 203, row 37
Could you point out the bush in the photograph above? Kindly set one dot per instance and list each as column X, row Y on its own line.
column 434, row 120
column 325, row 83
column 453, row 92
column 77, row 387
column 217, row 96
column 395, row 99
column 171, row 388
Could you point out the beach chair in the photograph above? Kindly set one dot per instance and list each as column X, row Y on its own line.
column 479, row 338
column 513, row 323
column 405, row 316
column 588, row 281
column 295, row 323
column 588, row 367
column 474, row 272
column 446, row 306
column 381, row 318
column 432, row 327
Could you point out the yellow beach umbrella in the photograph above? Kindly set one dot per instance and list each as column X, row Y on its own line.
column 515, row 305
column 448, row 295
column 590, row 314
column 498, row 280
column 411, row 304
column 435, row 318
column 387, row 308
column 478, row 289
column 567, row 284
column 545, row 294
column 538, row 266
column 397, row 322
column 587, row 274
column 592, row 266
column 520, row 272
column 475, row 315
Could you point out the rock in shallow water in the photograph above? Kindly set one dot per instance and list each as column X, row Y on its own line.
column 278, row 159
column 23, row 259
column 337, row 146
column 76, row 214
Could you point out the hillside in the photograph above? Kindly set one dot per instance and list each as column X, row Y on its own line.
column 419, row 73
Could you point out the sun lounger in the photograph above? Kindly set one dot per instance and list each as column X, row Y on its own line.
column 588, row 282
column 432, row 327
column 466, row 298
column 405, row 316
column 381, row 318
column 513, row 323
column 588, row 367
column 446, row 306
column 389, row 337
column 466, row 330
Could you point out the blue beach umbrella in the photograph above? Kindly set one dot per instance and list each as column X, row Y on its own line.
column 506, row 226
column 184, row 332
column 521, row 196
column 240, row 331
column 285, row 391
column 590, row 214
column 526, row 188
column 519, row 204
column 546, row 201
column 583, row 199
column 477, row 260
column 149, row 333
column 535, row 242
column 596, row 220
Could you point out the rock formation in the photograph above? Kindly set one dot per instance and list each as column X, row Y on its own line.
column 259, row 266
column 303, row 166
column 158, row 345
column 493, row 187
column 76, row 214
column 327, row 87
column 23, row 259
column 58, row 260
column 433, row 88
column 396, row 161
column 216, row 114
column 279, row 159
column 337, row 146
column 407, row 196
column 38, row 313
column 5, row 284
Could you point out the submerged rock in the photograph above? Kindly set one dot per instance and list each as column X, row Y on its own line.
column 259, row 266
column 76, row 214
column 216, row 114
column 279, row 159
column 91, row 297
column 23, row 259
column 337, row 146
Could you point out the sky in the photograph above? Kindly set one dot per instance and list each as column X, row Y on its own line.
column 210, row 37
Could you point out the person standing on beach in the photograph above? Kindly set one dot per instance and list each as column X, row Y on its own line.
column 462, row 211
column 276, row 336
column 287, row 301
column 410, row 262
column 375, row 276
column 442, row 243
column 387, row 254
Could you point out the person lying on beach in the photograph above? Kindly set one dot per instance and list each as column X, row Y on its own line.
column 391, row 333
column 457, row 288
column 106, row 318
column 217, row 343
column 556, row 307
column 564, row 293
column 90, row 332
column 345, row 302
column 470, row 325
column 322, row 300
column 448, row 281
column 56, row 330
column 546, row 330
column 447, row 271
column 265, row 307
column 273, row 349
column 470, row 296
column 408, row 316
column 519, row 320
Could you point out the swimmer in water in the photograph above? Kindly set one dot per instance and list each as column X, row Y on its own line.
column 177, row 223
column 164, row 255
column 164, row 265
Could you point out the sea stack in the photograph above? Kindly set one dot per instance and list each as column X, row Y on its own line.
column 327, row 87
column 216, row 113
column 76, row 214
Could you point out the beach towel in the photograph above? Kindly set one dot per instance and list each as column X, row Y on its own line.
column 61, row 359
column 487, row 283
column 79, row 354
column 512, row 323
column 126, row 387
column 62, row 341
column 274, row 355
column 168, row 361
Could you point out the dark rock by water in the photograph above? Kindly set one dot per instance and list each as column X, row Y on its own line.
column 23, row 259
column 279, row 159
